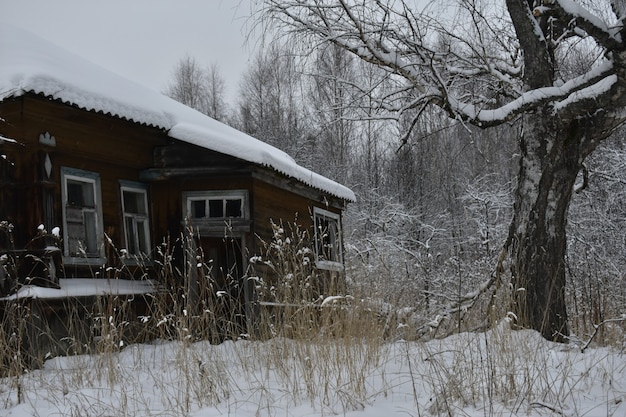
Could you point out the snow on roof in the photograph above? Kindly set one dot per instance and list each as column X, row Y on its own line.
column 29, row 64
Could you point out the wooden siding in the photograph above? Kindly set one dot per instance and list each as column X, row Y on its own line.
column 122, row 151
column 115, row 149
column 167, row 203
column 273, row 204
column 119, row 150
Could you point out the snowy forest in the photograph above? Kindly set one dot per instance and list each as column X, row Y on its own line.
column 485, row 255
column 435, row 194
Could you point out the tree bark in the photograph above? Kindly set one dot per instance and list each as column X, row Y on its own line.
column 552, row 154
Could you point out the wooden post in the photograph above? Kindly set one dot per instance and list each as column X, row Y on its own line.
column 192, row 290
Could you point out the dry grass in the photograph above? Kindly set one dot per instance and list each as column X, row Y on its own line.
column 331, row 352
column 345, row 367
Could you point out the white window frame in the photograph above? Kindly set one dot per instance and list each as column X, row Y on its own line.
column 91, row 179
column 329, row 264
column 136, row 218
column 191, row 196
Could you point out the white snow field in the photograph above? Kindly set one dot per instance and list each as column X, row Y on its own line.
column 497, row 373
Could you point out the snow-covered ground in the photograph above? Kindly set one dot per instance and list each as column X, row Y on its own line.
column 498, row 373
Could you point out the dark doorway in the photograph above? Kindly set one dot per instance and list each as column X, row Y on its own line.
column 221, row 286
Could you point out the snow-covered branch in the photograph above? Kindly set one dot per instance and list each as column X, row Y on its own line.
column 462, row 70
column 597, row 327
column 578, row 21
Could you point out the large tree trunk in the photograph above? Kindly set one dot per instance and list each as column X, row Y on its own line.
column 552, row 154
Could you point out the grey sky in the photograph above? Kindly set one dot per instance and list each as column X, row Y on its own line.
column 143, row 39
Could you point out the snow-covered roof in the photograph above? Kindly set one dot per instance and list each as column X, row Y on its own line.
column 29, row 64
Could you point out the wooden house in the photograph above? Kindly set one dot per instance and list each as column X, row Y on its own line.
column 122, row 173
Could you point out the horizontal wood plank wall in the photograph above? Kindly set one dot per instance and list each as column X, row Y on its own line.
column 92, row 136
column 275, row 204
column 116, row 149
column 167, row 204
column 18, row 170
column 121, row 150
column 272, row 203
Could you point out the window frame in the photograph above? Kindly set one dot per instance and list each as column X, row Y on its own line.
column 137, row 188
column 93, row 179
column 328, row 264
column 224, row 195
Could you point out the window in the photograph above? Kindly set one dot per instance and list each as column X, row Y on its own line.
column 136, row 222
column 328, row 248
column 82, row 213
column 216, row 205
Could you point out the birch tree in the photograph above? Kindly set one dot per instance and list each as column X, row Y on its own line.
column 188, row 84
column 488, row 63
column 331, row 99
column 270, row 105
column 200, row 88
column 216, row 93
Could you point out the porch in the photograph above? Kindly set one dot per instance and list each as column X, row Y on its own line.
column 82, row 315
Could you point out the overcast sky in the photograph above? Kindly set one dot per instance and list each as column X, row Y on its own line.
column 143, row 39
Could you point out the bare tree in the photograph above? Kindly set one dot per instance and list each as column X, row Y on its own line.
column 331, row 97
column 188, row 84
column 199, row 88
column 270, row 106
column 596, row 258
column 488, row 64
column 215, row 92
column 372, row 148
